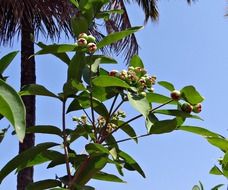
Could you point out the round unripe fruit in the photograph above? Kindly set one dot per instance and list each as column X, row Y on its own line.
column 83, row 35
column 92, row 47
column 175, row 95
column 82, row 42
column 197, row 108
column 186, row 107
column 143, row 94
column 91, row 38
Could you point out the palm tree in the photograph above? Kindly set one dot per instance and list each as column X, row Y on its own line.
column 28, row 18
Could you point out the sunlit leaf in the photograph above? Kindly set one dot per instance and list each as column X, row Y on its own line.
column 191, row 95
column 108, row 81
column 107, row 177
column 6, row 60
column 216, row 171
column 116, row 36
column 49, row 49
column 219, row 143
column 158, row 98
column 164, row 126
column 177, row 113
column 167, row 85
column 136, row 62
column 199, row 130
column 12, row 107
column 131, row 162
column 140, row 103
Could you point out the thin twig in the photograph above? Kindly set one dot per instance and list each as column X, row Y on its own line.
column 117, row 108
column 108, row 118
column 132, row 119
column 91, row 104
column 130, row 138
column 65, row 143
column 87, row 115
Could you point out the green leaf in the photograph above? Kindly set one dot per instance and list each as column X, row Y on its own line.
column 140, row 103
column 56, row 48
column 116, row 36
column 6, row 60
column 36, row 89
column 136, row 62
column 23, row 158
column 216, row 171
column 45, row 129
column 2, row 133
column 219, row 143
column 131, row 162
column 164, row 126
column 44, row 184
column 83, row 101
column 169, row 86
column 79, row 24
column 76, row 67
column 75, row 3
column 177, row 113
column 12, row 107
column 107, row 177
column 225, row 162
column 93, row 165
column 49, row 49
column 96, row 148
column 103, row 94
column 217, row 187
column 102, row 59
column 127, row 129
column 196, row 187
column 45, row 156
column 199, row 131
column 191, row 95
column 158, row 98
column 108, row 81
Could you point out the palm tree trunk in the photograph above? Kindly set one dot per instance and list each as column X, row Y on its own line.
column 27, row 77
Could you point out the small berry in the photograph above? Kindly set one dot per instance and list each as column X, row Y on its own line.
column 142, row 94
column 113, row 73
column 186, row 107
column 92, row 47
column 175, row 95
column 82, row 42
column 83, row 35
column 197, row 108
column 91, row 38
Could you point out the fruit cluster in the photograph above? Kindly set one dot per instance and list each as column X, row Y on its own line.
column 186, row 107
column 88, row 42
column 136, row 77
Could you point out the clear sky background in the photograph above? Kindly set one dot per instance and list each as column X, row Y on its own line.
column 188, row 45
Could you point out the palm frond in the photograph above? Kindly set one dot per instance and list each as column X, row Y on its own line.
column 118, row 22
column 48, row 17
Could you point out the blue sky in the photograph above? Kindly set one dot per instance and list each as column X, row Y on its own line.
column 188, row 45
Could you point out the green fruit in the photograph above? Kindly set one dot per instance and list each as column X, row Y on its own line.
column 143, row 94
column 91, row 38
column 186, row 107
column 175, row 95
column 83, row 35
